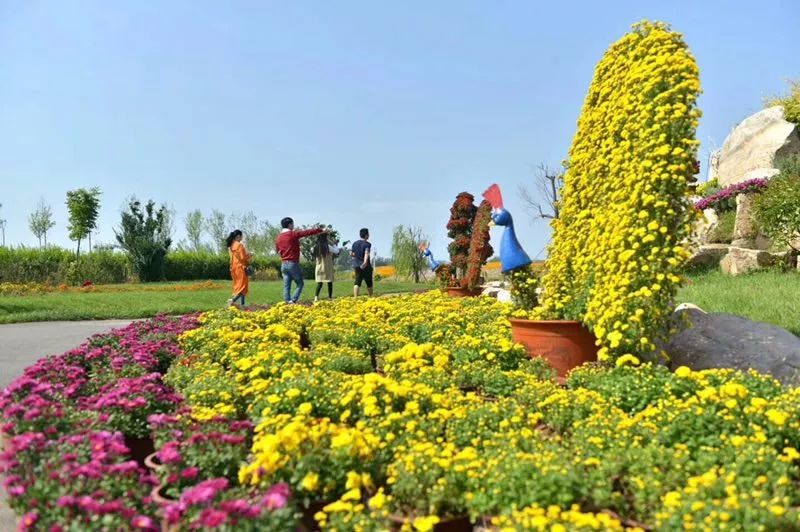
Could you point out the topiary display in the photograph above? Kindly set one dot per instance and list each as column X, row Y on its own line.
column 479, row 248
column 617, row 247
column 459, row 229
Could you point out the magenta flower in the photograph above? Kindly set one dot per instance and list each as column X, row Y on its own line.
column 143, row 522
column 276, row 497
column 211, row 518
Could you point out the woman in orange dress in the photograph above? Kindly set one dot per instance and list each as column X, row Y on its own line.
column 240, row 258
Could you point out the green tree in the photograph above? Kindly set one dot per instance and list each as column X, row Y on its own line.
column 194, row 229
column 777, row 209
column 41, row 221
column 406, row 256
column 217, row 228
column 3, row 228
column 144, row 235
column 84, row 207
column 307, row 244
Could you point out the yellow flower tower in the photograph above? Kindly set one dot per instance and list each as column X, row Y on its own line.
column 614, row 262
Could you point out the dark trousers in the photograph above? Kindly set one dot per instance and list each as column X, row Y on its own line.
column 330, row 289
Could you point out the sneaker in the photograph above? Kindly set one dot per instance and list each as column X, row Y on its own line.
column 316, row 299
column 230, row 303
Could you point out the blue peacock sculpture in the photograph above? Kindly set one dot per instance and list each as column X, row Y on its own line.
column 425, row 249
column 512, row 256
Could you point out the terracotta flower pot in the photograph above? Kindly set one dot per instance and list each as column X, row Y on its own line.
column 565, row 345
column 139, row 448
column 158, row 497
column 152, row 462
column 457, row 291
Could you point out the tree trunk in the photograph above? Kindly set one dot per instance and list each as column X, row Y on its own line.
column 90, row 241
column 416, row 276
column 78, row 253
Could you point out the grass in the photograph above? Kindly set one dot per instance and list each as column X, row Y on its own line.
column 767, row 296
column 132, row 303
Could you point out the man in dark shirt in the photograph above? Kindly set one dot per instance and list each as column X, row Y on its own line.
column 361, row 262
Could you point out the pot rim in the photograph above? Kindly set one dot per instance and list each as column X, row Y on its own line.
column 554, row 322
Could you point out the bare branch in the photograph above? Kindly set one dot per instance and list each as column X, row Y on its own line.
column 545, row 203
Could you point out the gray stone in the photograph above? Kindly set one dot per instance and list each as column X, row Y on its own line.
column 752, row 148
column 708, row 256
column 709, row 341
column 742, row 260
column 704, row 227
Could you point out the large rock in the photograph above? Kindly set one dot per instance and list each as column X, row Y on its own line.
column 726, row 341
column 708, row 257
column 745, row 231
column 742, row 260
column 752, row 148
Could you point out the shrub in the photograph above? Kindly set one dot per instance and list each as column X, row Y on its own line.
column 777, row 210
column 617, row 245
column 790, row 102
column 722, row 233
column 144, row 236
column 55, row 266
column 459, row 229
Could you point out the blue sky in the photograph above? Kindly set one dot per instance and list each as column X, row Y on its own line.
column 350, row 113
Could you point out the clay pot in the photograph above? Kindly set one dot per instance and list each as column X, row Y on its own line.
column 151, row 462
column 157, row 496
column 564, row 344
column 140, row 448
column 457, row 291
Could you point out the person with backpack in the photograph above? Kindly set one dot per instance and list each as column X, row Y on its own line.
column 288, row 247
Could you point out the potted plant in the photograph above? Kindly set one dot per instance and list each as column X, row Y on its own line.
column 565, row 344
column 615, row 259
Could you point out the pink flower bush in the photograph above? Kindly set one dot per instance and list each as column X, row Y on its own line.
column 725, row 199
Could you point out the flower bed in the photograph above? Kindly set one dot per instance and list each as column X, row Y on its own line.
column 69, row 422
column 399, row 412
column 419, row 408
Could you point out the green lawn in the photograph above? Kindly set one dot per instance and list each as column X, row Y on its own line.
column 131, row 303
column 767, row 296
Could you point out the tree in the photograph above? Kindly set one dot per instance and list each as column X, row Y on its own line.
column 83, row 206
column 217, row 229
column 543, row 203
column 307, row 244
column 41, row 221
column 144, row 235
column 406, row 255
column 194, row 229
column 3, row 228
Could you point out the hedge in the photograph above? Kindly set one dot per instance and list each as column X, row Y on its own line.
column 54, row 265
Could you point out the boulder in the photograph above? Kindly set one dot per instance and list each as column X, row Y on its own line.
column 709, row 341
column 754, row 145
column 741, row 260
column 704, row 226
column 708, row 256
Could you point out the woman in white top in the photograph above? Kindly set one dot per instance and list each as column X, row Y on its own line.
column 324, row 252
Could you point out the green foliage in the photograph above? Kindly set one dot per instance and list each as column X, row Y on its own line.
column 406, row 256
column 524, row 285
column 708, row 188
column 84, row 207
column 189, row 266
column 194, row 229
column 722, row 233
column 41, row 221
column 144, row 236
column 216, row 226
column 307, row 244
column 790, row 102
column 777, row 209
column 54, row 265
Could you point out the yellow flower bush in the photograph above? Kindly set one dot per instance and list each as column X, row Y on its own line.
column 617, row 245
column 403, row 412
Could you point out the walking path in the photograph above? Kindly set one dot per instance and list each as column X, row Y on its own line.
column 22, row 344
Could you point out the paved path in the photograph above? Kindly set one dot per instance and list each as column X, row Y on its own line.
column 22, row 344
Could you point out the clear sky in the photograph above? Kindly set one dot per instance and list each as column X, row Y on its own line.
column 351, row 113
